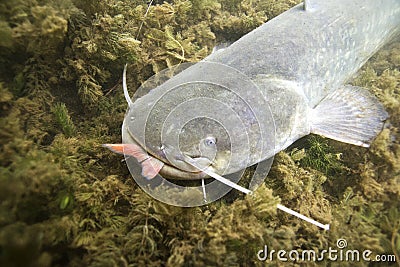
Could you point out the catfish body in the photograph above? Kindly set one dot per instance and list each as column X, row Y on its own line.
column 280, row 82
column 300, row 57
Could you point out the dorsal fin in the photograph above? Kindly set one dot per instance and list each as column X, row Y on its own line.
column 126, row 94
column 220, row 47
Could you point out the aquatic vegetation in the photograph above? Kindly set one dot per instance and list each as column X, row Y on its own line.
column 63, row 119
column 66, row 201
column 320, row 156
column 5, row 95
column 391, row 224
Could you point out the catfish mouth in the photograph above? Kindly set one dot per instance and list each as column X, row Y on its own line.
column 172, row 172
column 184, row 165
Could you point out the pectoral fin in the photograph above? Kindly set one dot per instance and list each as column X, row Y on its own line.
column 351, row 114
column 150, row 165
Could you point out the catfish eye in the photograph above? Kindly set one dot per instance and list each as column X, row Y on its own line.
column 210, row 141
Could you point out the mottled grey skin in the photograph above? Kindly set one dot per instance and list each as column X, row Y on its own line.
column 299, row 57
column 295, row 61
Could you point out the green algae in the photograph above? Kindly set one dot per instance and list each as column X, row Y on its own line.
column 63, row 119
column 67, row 201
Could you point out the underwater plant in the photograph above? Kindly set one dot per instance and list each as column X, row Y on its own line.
column 63, row 119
